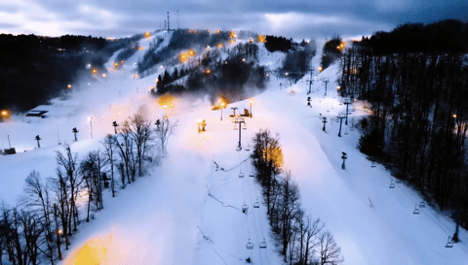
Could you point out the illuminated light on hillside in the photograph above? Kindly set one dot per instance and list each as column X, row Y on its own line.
column 140, row 48
column 104, row 75
column 208, row 47
column 94, row 71
column 183, row 57
column 232, row 34
column 251, row 40
column 208, row 30
column 320, row 68
column 191, row 53
column 69, row 86
column 261, row 38
column 122, row 62
column 231, row 41
column 195, row 31
column 5, row 114
column 116, row 64
column 147, row 34
column 220, row 45
column 207, row 71
column 218, row 31
column 189, row 31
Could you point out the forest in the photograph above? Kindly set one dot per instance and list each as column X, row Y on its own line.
column 48, row 215
column 36, row 69
column 415, row 82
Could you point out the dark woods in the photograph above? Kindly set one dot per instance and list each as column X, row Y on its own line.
column 46, row 219
column 299, row 238
column 35, row 69
column 416, row 81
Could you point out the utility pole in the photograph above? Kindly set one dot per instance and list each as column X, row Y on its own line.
column 311, row 80
column 341, row 117
column 240, row 121
column 326, row 80
column 347, row 102
column 168, row 25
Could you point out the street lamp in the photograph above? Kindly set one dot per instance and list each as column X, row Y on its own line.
column 250, row 102
column 344, row 157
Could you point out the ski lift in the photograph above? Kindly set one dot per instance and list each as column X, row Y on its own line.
column 373, row 164
column 249, row 245
column 449, row 243
column 244, row 127
column 392, row 185
column 251, row 174
column 416, row 210
column 346, row 132
column 238, row 148
column 263, row 244
column 333, row 107
column 245, row 208
column 328, row 110
column 236, row 127
column 320, row 100
column 422, row 204
column 247, row 148
column 241, row 175
column 256, row 205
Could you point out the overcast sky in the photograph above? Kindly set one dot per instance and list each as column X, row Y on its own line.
column 292, row 19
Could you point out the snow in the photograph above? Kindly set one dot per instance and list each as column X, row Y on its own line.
column 168, row 215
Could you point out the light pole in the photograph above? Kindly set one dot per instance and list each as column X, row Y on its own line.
column 344, row 157
column 157, row 123
column 250, row 102
column 324, row 122
column 91, row 126
column 221, row 107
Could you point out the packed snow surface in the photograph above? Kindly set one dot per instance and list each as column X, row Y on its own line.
column 187, row 212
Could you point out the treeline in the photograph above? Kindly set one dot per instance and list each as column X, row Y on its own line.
column 419, row 114
column 35, row 69
column 181, row 39
column 274, row 43
column 331, row 51
column 48, row 215
column 297, row 60
column 233, row 77
column 299, row 238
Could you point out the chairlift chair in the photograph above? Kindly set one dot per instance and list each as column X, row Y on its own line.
column 373, row 164
column 392, row 185
column 422, row 204
column 245, row 208
column 236, row 127
column 249, row 245
column 256, row 205
column 251, row 174
column 263, row 244
column 449, row 243
column 328, row 110
column 346, row 132
column 416, row 210
column 241, row 175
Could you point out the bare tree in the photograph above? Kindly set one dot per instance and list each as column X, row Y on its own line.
column 125, row 147
column 165, row 130
column 63, row 209
column 141, row 133
column 37, row 196
column 68, row 162
column 329, row 251
column 109, row 145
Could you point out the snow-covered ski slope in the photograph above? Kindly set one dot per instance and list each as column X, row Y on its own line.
column 186, row 212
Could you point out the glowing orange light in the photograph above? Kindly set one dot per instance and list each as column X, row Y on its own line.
column 135, row 75
column 189, row 31
column 122, row 62
column 231, row 41
column 140, row 48
column 104, row 75
column 250, row 40
column 220, row 45
column 454, row 115
column 195, row 31
column 183, row 57
column 218, row 31
column 147, row 34
column 207, row 71
column 116, row 64
column 261, row 39
column 94, row 71
column 191, row 53
column 208, row 47
column 69, row 86
column 243, row 60
column 232, row 34
column 320, row 69
column 208, row 30
column 338, row 87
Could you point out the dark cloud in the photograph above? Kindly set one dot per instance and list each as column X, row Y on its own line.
column 297, row 18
